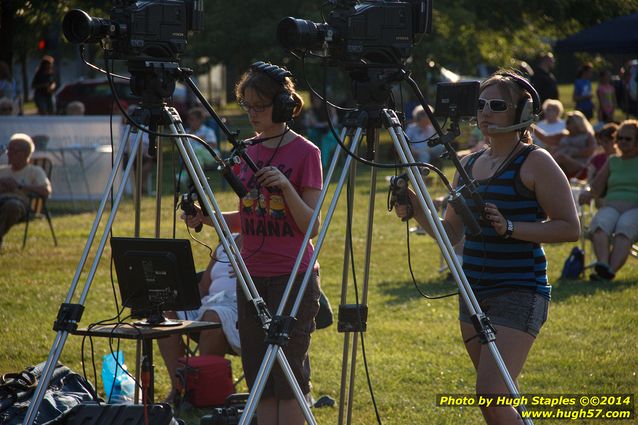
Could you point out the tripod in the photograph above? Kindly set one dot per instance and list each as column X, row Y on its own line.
column 153, row 113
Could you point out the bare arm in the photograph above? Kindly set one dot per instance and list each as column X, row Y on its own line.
column 541, row 174
column 231, row 218
column 205, row 281
column 597, row 186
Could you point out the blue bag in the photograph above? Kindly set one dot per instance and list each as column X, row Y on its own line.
column 574, row 265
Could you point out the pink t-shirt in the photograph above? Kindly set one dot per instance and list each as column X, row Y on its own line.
column 271, row 239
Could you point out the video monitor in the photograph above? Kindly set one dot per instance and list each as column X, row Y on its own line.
column 155, row 275
column 457, row 100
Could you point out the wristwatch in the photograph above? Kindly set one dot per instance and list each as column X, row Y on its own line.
column 509, row 230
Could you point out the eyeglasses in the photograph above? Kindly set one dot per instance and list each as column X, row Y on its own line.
column 495, row 105
column 255, row 108
column 624, row 138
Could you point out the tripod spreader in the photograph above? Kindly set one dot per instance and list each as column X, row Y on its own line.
column 484, row 329
column 69, row 315
column 279, row 330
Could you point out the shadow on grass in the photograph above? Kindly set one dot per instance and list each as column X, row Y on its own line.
column 564, row 289
column 402, row 292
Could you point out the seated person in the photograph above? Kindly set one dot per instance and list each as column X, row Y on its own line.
column 605, row 138
column 418, row 133
column 217, row 288
column 17, row 180
column 572, row 148
column 148, row 162
column 196, row 126
column 75, row 108
column 552, row 122
column 615, row 225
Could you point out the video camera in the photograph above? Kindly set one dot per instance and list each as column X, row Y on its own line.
column 138, row 30
column 381, row 32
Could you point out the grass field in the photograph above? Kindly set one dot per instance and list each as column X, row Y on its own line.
column 413, row 345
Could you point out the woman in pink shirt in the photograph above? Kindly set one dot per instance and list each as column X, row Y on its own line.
column 273, row 219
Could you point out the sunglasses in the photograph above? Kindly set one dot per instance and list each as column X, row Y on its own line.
column 255, row 108
column 624, row 138
column 495, row 105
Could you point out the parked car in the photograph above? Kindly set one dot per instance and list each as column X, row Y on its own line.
column 97, row 98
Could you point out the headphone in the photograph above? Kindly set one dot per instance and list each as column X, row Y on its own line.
column 527, row 110
column 284, row 103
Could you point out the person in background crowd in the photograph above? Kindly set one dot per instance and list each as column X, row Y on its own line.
column 606, row 139
column 552, row 122
column 195, row 119
column 75, row 108
column 543, row 80
column 606, row 94
column 614, row 228
column 6, row 106
column 527, row 202
column 44, row 86
column 572, row 148
column 317, row 121
column 7, row 84
column 419, row 132
column 17, row 180
column 583, row 92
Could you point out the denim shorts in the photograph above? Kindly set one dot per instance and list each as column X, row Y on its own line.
column 519, row 309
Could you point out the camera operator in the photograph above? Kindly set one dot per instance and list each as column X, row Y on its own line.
column 272, row 219
column 527, row 202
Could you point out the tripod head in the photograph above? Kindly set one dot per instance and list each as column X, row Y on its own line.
column 372, row 85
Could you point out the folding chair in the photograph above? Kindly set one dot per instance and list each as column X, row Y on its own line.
column 585, row 214
column 38, row 204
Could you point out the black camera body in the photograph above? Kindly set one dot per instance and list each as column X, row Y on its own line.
column 380, row 32
column 138, row 30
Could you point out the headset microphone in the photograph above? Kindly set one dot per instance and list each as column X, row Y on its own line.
column 507, row 129
column 527, row 109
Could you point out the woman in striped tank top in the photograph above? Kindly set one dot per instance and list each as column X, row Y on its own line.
column 527, row 202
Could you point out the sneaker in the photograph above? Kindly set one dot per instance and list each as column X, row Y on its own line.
column 603, row 270
column 418, row 230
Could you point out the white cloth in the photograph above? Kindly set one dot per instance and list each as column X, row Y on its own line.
column 203, row 156
column 549, row 129
column 30, row 175
column 221, row 298
column 418, row 145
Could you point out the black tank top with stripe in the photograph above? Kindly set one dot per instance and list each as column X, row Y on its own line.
column 491, row 263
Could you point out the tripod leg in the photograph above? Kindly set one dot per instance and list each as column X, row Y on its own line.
column 465, row 290
column 62, row 334
column 347, row 336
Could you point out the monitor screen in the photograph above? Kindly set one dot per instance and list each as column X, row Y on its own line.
column 457, row 100
column 155, row 275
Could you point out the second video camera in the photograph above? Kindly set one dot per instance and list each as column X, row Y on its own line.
column 373, row 31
